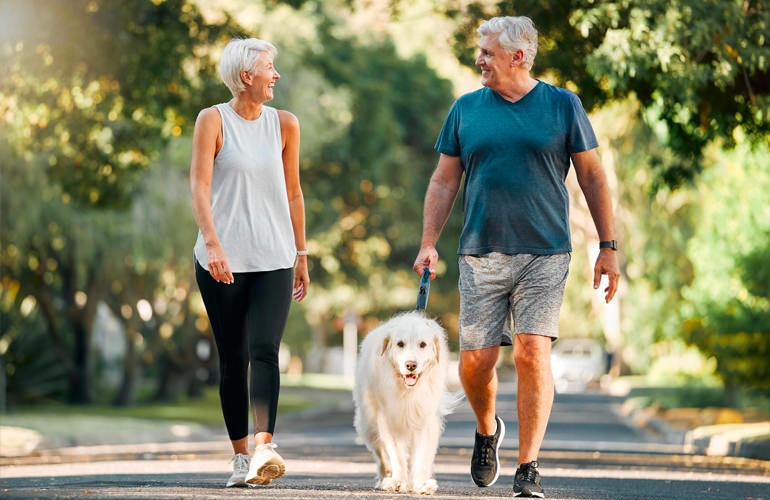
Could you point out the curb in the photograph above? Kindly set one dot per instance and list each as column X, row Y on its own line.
column 107, row 452
column 743, row 440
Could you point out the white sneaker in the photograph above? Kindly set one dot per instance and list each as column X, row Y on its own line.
column 266, row 465
column 240, row 470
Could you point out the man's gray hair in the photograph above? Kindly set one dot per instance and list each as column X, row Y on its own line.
column 241, row 54
column 514, row 33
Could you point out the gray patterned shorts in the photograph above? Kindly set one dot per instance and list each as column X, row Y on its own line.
column 497, row 289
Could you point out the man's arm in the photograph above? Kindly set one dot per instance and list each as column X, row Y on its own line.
column 439, row 199
column 593, row 183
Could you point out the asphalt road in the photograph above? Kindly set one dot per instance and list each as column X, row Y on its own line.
column 591, row 452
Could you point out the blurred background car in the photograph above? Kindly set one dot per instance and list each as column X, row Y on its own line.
column 576, row 363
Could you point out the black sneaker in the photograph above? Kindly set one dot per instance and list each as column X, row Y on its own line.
column 484, row 464
column 526, row 482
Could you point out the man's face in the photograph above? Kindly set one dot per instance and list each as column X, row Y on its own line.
column 494, row 62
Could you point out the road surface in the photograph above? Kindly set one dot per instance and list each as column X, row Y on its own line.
column 590, row 452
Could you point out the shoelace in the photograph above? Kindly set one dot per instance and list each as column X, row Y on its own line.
column 529, row 473
column 265, row 446
column 485, row 450
column 240, row 462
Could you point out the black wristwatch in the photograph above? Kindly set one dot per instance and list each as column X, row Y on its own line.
column 609, row 244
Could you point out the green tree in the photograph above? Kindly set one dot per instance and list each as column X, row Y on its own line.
column 727, row 309
column 737, row 333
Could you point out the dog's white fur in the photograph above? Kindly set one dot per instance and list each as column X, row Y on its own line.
column 401, row 399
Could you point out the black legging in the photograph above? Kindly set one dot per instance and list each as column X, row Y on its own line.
column 248, row 318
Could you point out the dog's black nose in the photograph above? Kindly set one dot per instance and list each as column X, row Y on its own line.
column 411, row 366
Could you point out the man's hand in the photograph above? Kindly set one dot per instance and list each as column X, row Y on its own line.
column 428, row 257
column 607, row 263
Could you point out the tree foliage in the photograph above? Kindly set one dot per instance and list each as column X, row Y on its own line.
column 727, row 309
column 97, row 87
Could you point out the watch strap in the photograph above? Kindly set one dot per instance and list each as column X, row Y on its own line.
column 609, row 244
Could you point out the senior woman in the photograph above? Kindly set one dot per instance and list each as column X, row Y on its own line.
column 250, row 255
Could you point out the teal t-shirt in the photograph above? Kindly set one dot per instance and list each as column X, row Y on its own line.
column 516, row 157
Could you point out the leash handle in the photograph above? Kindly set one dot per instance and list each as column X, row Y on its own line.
column 422, row 293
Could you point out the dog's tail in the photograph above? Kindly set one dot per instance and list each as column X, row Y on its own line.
column 450, row 401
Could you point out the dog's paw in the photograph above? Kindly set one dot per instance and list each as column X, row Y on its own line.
column 427, row 487
column 390, row 484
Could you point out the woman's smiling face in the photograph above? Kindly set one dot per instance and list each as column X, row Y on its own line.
column 263, row 77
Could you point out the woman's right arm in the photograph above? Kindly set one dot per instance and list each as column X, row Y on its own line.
column 206, row 143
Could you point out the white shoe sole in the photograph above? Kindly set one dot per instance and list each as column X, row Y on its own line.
column 267, row 473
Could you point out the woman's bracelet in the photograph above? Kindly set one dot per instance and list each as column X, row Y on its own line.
column 302, row 252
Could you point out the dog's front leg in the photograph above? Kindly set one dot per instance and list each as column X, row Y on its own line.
column 384, row 469
column 391, row 452
column 423, row 455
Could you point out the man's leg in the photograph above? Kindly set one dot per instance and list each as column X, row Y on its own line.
column 484, row 308
column 479, row 379
column 536, row 304
column 534, row 398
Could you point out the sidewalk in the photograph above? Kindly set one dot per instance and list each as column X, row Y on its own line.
column 74, row 438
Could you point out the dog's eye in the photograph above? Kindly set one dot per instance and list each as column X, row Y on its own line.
column 423, row 344
column 400, row 343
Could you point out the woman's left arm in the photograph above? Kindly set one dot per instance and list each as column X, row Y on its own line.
column 290, row 139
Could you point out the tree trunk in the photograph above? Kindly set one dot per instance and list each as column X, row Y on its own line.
column 81, row 317
column 171, row 380
column 80, row 376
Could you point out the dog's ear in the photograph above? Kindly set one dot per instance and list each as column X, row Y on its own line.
column 437, row 345
column 385, row 343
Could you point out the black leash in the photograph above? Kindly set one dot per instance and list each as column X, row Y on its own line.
column 422, row 293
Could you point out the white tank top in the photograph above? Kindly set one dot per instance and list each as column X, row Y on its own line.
column 248, row 195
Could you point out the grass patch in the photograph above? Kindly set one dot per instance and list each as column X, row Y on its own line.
column 204, row 410
column 693, row 395
column 680, row 397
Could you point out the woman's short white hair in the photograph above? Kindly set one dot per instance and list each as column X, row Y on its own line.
column 241, row 54
column 514, row 33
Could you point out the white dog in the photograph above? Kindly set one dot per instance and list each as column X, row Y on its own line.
column 401, row 400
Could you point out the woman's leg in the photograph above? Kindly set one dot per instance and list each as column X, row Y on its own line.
column 269, row 303
column 226, row 305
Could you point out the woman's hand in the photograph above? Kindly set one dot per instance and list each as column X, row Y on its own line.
column 301, row 278
column 219, row 268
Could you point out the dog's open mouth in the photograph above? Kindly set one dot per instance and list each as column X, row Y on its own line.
column 410, row 379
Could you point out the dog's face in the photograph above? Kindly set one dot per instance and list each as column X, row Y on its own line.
column 412, row 348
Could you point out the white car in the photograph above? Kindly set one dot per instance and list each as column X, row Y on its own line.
column 576, row 363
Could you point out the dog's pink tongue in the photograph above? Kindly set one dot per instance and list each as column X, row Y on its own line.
column 410, row 379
